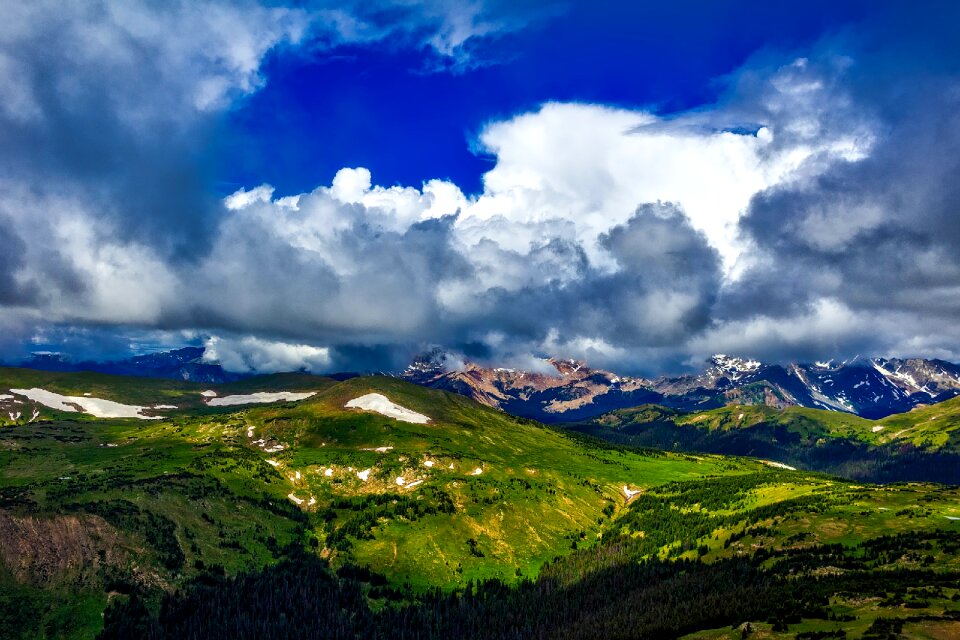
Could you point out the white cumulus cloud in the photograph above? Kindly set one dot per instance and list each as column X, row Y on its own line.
column 252, row 354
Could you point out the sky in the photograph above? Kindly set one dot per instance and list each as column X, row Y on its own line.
column 341, row 186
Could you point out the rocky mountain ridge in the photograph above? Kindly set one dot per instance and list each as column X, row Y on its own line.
column 570, row 390
column 565, row 390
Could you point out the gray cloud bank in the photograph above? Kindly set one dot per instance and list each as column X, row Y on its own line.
column 638, row 241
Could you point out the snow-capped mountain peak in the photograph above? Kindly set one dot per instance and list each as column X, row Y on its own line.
column 868, row 387
column 733, row 367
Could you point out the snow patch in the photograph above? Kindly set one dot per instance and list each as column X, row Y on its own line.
column 273, row 463
column 876, row 429
column 428, row 463
column 209, row 393
column 164, row 406
column 94, row 406
column 476, row 471
column 295, row 498
column 413, row 484
column 778, row 465
column 379, row 403
column 627, row 492
column 260, row 397
column 6, row 396
column 328, row 473
column 364, row 475
column 401, row 481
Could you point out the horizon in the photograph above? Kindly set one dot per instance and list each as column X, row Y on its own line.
column 460, row 363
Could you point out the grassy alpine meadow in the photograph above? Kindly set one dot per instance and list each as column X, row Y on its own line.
column 479, row 494
column 105, row 512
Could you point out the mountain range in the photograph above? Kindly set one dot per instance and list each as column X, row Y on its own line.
column 179, row 364
column 571, row 391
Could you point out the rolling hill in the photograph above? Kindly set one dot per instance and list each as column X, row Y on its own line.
column 412, row 510
column 922, row 444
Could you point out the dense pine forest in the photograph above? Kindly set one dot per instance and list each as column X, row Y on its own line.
column 301, row 598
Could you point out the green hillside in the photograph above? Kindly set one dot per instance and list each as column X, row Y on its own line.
column 774, row 555
column 934, row 426
column 923, row 444
column 126, row 512
column 169, row 498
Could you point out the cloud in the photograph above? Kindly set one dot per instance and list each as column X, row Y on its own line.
column 455, row 35
column 810, row 212
column 600, row 232
column 354, row 264
column 875, row 235
column 110, row 112
column 595, row 165
column 252, row 354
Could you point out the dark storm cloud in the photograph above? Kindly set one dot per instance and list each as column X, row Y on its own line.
column 113, row 106
column 11, row 260
column 359, row 283
column 666, row 279
column 354, row 278
column 877, row 235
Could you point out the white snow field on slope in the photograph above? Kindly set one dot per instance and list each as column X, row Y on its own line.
column 381, row 404
column 260, row 397
column 778, row 465
column 97, row 407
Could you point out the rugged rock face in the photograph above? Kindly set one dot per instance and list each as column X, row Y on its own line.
column 916, row 375
column 570, row 390
column 52, row 549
